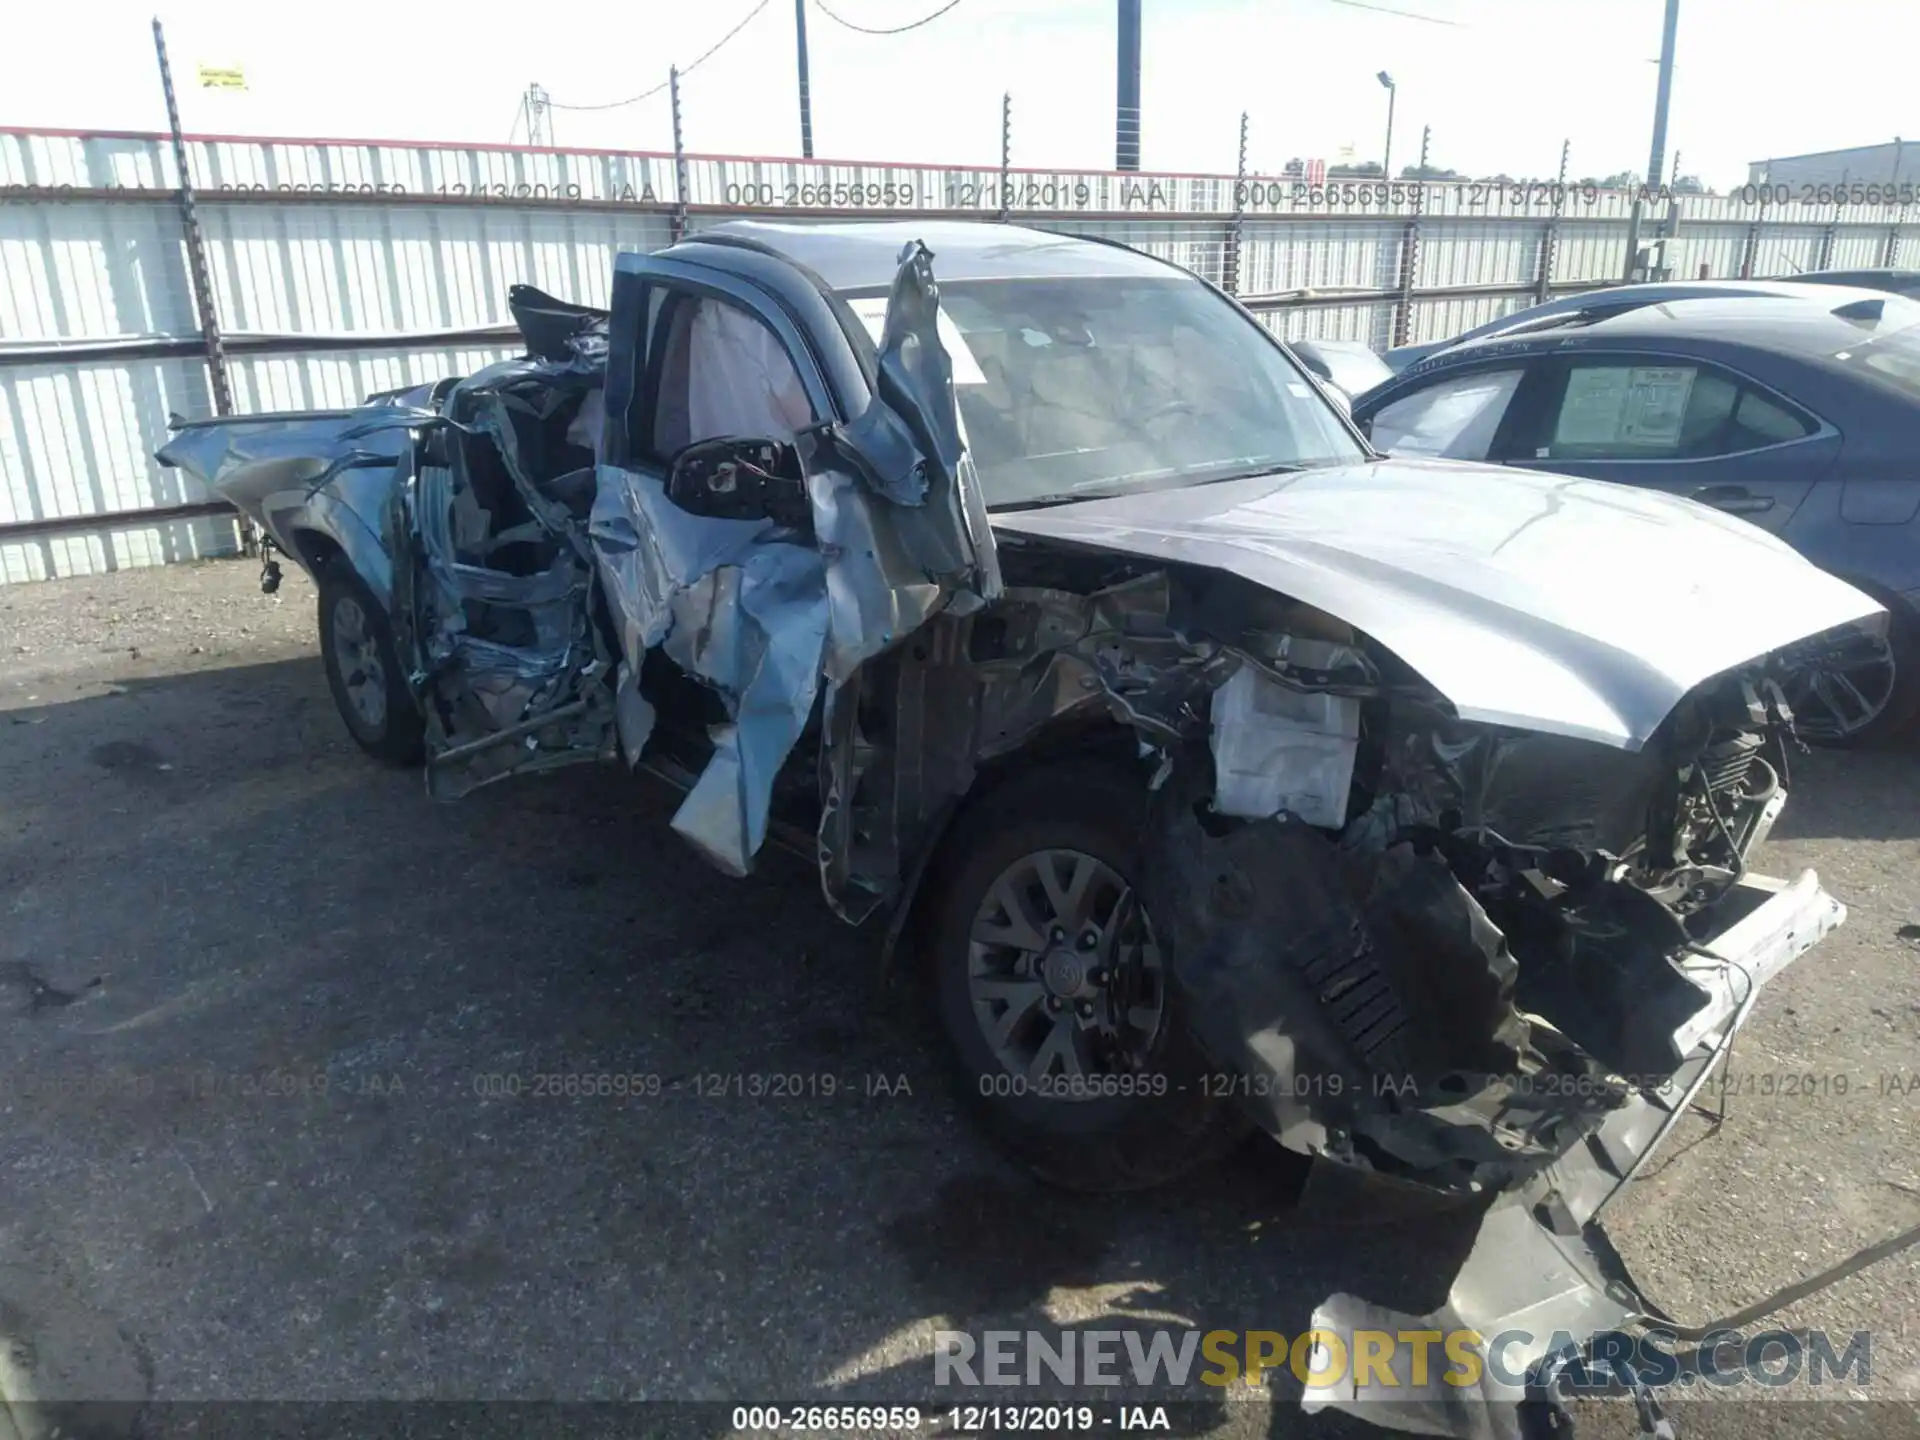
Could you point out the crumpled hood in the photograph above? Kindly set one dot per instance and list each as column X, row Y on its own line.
column 1547, row 602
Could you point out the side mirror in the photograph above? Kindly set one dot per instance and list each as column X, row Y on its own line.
column 733, row 479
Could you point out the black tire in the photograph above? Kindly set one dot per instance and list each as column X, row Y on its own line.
column 1103, row 1144
column 396, row 736
column 1903, row 703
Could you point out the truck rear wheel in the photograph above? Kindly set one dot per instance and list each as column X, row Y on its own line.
column 363, row 672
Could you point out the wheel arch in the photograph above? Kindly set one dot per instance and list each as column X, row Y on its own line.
column 315, row 549
column 334, row 534
column 1085, row 742
column 1903, row 638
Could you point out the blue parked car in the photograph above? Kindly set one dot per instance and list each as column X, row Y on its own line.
column 1613, row 300
column 1796, row 413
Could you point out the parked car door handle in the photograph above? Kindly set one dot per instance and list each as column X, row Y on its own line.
column 1734, row 499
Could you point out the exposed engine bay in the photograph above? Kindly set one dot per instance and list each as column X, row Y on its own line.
column 1480, row 960
column 1451, row 947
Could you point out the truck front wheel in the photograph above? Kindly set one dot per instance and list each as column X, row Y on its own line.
column 1052, row 992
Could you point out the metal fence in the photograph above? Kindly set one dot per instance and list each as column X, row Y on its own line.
column 337, row 268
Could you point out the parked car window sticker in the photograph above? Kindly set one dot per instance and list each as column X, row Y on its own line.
column 1623, row 408
column 1660, row 412
column 1453, row 420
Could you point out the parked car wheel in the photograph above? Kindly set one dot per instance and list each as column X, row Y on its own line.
column 369, row 689
column 1864, row 689
column 1067, row 1036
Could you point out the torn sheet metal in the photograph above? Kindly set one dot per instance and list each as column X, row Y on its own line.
column 763, row 615
column 1299, row 964
column 975, row 687
column 1524, row 1289
column 1541, row 1280
column 327, row 472
column 1503, row 588
column 505, row 657
column 910, row 443
column 734, row 604
column 1547, row 790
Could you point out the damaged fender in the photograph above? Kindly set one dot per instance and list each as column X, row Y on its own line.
column 762, row 613
column 327, row 473
column 1378, row 1007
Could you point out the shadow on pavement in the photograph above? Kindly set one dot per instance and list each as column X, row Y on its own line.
column 355, row 1096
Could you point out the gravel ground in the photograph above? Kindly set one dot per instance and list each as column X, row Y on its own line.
column 256, row 993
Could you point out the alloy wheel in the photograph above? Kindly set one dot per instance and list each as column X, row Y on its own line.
column 356, row 650
column 1063, row 972
column 1842, row 691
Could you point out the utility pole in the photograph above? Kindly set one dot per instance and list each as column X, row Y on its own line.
column 1006, row 154
column 1893, row 186
column 1402, row 321
column 1658, row 151
column 1236, row 237
column 1670, row 225
column 806, row 93
column 1126, row 116
column 536, row 106
column 199, row 279
column 1550, row 241
column 677, row 222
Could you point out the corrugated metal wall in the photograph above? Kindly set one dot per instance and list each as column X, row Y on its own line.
column 342, row 267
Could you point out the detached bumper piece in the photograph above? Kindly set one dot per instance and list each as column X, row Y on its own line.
column 1542, row 1280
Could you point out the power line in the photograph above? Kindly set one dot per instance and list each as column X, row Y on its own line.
column 895, row 30
column 688, row 70
column 1384, row 10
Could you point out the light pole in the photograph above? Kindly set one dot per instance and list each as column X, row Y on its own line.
column 1126, row 115
column 806, row 86
column 1386, row 158
column 1659, row 152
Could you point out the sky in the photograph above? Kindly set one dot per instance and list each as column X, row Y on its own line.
column 1500, row 82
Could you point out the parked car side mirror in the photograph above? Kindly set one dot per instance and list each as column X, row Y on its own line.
column 736, row 479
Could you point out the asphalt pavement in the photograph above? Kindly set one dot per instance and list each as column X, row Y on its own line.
column 314, row 1090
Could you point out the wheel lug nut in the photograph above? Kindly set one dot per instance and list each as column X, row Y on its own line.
column 1090, row 939
column 1086, row 1009
column 1053, row 1003
column 1058, row 935
column 1098, row 977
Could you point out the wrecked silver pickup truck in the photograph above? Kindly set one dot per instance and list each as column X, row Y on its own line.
column 1061, row 618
